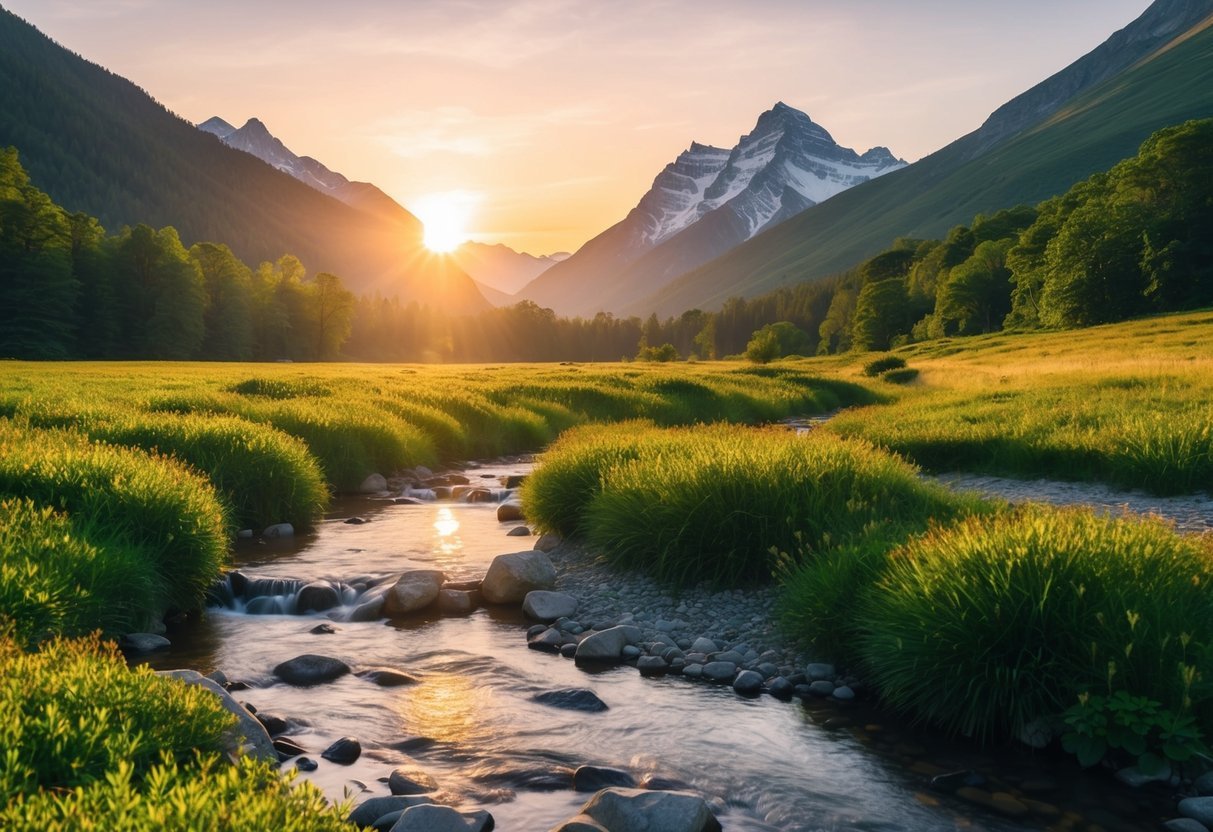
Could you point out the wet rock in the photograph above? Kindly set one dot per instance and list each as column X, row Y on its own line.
column 544, row 605
column 719, row 671
column 569, row 650
column 819, row 671
column 703, row 645
column 287, row 748
column 843, row 693
column 780, row 688
column 629, row 652
column 657, row 783
column 324, row 629
column 518, row 531
column 410, row 780
column 1135, row 778
column 571, row 699
column 821, row 687
column 414, row 590
column 272, row 723
column 317, row 596
column 373, row 484
column 748, row 683
column 593, row 778
column 369, row 610
column 430, row 817
column 693, row 670
column 343, row 752
column 1204, row 784
column 606, row 645
column 306, row 764
column 1037, row 733
column 311, row 669
column 509, row 512
column 457, row 602
column 406, row 501
column 1184, row 825
column 248, row 736
column 547, row 542
column 954, row 780
column 245, row 534
column 550, row 640
column 143, row 643
column 651, row 666
column 480, row 495
column 580, row 823
column 634, row 809
column 514, row 480
column 731, row 656
column 387, row 677
column 1198, row 809
column 355, row 521
column 278, row 530
column 369, row 811
column 511, row 577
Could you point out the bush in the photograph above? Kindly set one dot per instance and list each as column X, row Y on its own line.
column 984, row 626
column 884, row 364
column 901, row 376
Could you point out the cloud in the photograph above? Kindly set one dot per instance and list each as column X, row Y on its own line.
column 460, row 131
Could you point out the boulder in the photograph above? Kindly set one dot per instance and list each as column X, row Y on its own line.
column 748, row 682
column 819, row 671
column 547, row 542
column 387, row 677
column 547, row 606
column 652, row 665
column 703, row 645
column 624, row 810
column 317, row 596
column 571, row 699
column 248, row 736
column 310, row 669
column 343, row 752
column 518, row 531
column 511, row 577
column 594, row 778
column 719, row 671
column 369, row 610
column 373, row 484
column 509, row 512
column 369, row 811
column 606, row 645
column 430, row 817
column 144, row 643
column 285, row 748
column 1198, row 809
column 414, row 590
column 278, row 530
column 457, row 602
column 410, row 780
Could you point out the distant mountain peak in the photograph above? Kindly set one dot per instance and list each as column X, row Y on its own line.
column 217, row 126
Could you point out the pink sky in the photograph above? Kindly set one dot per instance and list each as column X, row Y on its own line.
column 551, row 117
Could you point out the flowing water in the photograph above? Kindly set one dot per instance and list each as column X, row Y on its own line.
column 471, row 724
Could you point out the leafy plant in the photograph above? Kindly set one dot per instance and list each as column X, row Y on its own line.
column 1140, row 727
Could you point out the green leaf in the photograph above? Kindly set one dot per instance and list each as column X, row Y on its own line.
column 1089, row 750
column 1178, row 752
column 1151, row 765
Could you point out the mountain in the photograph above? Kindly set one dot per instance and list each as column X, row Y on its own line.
column 97, row 143
column 704, row 203
column 501, row 268
column 1155, row 72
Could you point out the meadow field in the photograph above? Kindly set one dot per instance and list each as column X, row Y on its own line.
column 123, row 485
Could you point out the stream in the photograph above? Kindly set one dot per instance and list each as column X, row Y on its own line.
column 471, row 723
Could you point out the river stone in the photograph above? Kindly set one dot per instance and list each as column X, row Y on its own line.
column 285, row 748
column 719, row 671
column 430, row 817
column 373, row 484
column 731, row 656
column 511, row 577
column 821, row 687
column 144, row 643
column 278, row 530
column 1197, row 808
column 593, row 778
column 344, row 751
column 1184, row 825
column 387, row 677
column 843, row 693
column 780, row 688
column 580, row 823
column 410, row 780
column 693, row 670
column 247, row 736
column 547, row 542
column 272, row 723
column 571, row 699
column 544, row 605
column 658, row 783
column 317, row 596
column 325, row 629
column 457, row 602
column 703, row 645
column 310, row 669
column 819, row 671
column 306, row 764
column 550, row 640
column 414, row 590
column 370, row 810
column 369, row 610
column 748, row 682
column 618, row 809
column 606, row 645
column 1135, row 778
column 651, row 666
column 509, row 512
column 1204, row 784
column 518, row 531
column 630, row 651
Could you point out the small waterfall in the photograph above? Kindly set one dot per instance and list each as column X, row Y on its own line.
column 288, row 596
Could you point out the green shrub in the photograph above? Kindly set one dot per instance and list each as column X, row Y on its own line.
column 986, row 625
column 282, row 388
column 53, row 581
column 903, row 375
column 127, row 499
column 882, row 365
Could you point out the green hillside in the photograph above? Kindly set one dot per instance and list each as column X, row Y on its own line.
column 1091, row 133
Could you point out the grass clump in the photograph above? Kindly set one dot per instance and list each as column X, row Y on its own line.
column 126, row 499
column 882, row 365
column 902, row 375
column 282, row 388
column 986, row 625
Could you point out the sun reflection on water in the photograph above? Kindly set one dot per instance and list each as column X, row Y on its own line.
column 448, row 542
column 447, row 707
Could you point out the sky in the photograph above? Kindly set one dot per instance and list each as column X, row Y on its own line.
column 546, row 120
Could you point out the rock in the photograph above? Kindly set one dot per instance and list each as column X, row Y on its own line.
column 843, row 693
column 414, row 590
column 1134, row 778
column 569, row 650
column 273, row 724
column 547, row 542
column 306, row 764
column 317, row 596
column 593, row 778
column 247, row 737
column 651, row 666
column 430, row 817
column 657, row 783
column 629, row 652
column 457, row 602
column 518, row 531
column 410, row 780
column 370, row 810
column 780, row 688
column 580, row 823
column 544, row 605
column 481, row 495
column 278, row 530
column 344, row 751
column 245, row 534
column 819, row 671
column 387, row 677
column 514, row 480
column 550, row 640
column 624, row 810
column 571, row 699
column 1198, row 809
column 325, row 629
column 373, row 484
column 719, row 671
column 311, row 669
column 693, row 670
column 606, row 645
column 1184, row 825
column 511, row 577
column 954, row 780
column 1037, row 733
column 822, row 687
column 509, row 512
column 703, row 645
column 731, row 656
column 355, row 521
column 1204, row 784
column 369, row 610
column 748, row 683
column 144, row 643
column 285, row 748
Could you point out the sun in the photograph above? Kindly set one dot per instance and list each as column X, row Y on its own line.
column 445, row 217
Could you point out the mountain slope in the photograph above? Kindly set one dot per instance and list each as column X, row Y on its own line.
column 501, row 268
column 1156, row 72
column 704, row 203
column 97, row 143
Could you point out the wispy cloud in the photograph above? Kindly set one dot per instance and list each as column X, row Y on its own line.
column 462, row 132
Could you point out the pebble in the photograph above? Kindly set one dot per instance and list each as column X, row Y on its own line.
column 344, row 751
column 1198, row 809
